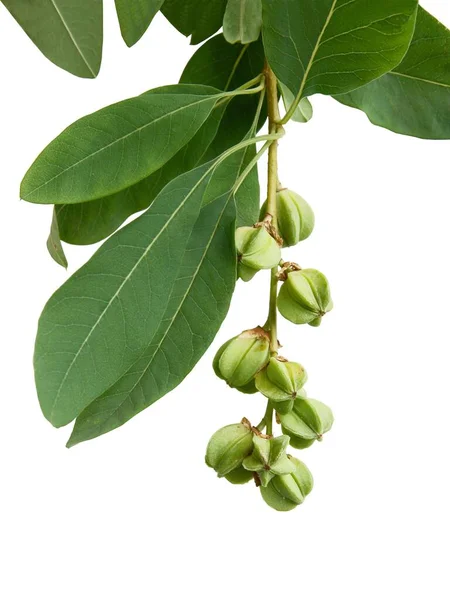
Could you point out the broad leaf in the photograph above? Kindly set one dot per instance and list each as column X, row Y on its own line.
column 67, row 32
column 102, row 319
column 91, row 222
column 54, row 245
column 135, row 17
column 242, row 21
column 117, row 146
column 414, row 99
column 197, row 18
column 197, row 307
column 219, row 65
column 335, row 46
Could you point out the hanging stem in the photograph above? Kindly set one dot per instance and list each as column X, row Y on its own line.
column 272, row 188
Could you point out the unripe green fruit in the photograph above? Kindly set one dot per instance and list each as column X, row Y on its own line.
column 257, row 250
column 285, row 492
column 282, row 382
column 306, row 422
column 239, row 359
column 305, row 297
column 228, row 447
column 284, row 407
column 295, row 218
column 269, row 458
column 239, row 476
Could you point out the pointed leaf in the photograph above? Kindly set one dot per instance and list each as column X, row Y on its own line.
column 67, row 32
column 117, row 146
column 102, row 319
column 91, row 222
column 197, row 307
column 54, row 245
column 335, row 46
column 414, row 99
column 135, row 17
column 198, row 18
column 219, row 65
column 242, row 21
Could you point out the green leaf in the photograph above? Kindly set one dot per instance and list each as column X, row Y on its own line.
column 135, row 17
column 219, row 65
column 102, row 319
column 91, row 222
column 198, row 18
column 248, row 197
column 303, row 112
column 117, row 146
column 197, row 307
column 242, row 21
column 69, row 33
column 414, row 99
column 227, row 66
column 54, row 245
column 335, row 46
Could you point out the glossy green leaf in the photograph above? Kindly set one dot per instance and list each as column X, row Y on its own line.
column 197, row 307
column 67, row 32
column 117, row 146
column 242, row 21
column 135, row 17
column 335, row 46
column 54, row 245
column 197, row 18
column 219, row 65
column 101, row 320
column 414, row 99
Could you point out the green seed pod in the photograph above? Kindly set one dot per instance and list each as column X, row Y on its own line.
column 284, row 407
column 282, row 382
column 239, row 359
column 295, row 218
column 228, row 447
column 305, row 297
column 269, row 458
column 239, row 476
column 307, row 422
column 257, row 250
column 285, row 492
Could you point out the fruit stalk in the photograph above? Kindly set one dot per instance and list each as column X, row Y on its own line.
column 272, row 188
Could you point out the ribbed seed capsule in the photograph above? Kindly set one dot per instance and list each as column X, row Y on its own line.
column 295, row 218
column 305, row 297
column 282, row 382
column 257, row 250
column 285, row 492
column 269, row 458
column 239, row 359
column 307, row 422
column 228, row 447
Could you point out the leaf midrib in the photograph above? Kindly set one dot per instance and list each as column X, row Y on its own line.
column 398, row 74
column 177, row 312
column 116, row 294
column 119, row 140
column 75, row 43
column 315, row 50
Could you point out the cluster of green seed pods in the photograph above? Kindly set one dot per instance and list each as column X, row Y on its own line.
column 249, row 363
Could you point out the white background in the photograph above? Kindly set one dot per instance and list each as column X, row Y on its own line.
column 136, row 514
